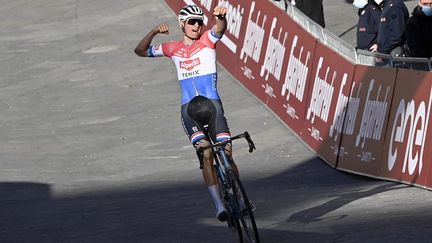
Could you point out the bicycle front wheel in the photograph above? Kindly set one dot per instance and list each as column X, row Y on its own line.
column 232, row 221
column 245, row 213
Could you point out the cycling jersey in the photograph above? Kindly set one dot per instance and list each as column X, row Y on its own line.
column 195, row 64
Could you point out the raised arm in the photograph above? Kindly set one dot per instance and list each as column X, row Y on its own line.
column 221, row 23
column 144, row 44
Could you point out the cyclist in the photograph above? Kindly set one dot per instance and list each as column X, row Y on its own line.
column 195, row 61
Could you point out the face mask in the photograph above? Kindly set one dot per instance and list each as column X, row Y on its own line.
column 427, row 10
column 378, row 1
column 360, row 3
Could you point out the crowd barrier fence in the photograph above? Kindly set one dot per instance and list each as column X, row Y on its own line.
column 374, row 59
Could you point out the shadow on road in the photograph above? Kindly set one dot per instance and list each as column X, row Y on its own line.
column 300, row 197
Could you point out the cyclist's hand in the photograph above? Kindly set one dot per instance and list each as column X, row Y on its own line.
column 161, row 29
column 202, row 143
column 219, row 11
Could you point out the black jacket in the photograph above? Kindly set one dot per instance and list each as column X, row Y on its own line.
column 391, row 32
column 313, row 9
column 419, row 34
column 367, row 27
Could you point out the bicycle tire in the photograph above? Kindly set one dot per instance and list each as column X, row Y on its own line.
column 245, row 213
column 232, row 221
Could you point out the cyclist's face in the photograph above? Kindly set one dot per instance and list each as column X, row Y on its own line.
column 193, row 28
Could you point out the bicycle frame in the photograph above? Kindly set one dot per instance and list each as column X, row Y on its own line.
column 220, row 155
column 232, row 189
column 222, row 164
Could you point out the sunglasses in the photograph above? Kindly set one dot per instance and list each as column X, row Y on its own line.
column 194, row 21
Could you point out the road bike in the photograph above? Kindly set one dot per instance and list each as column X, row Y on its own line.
column 241, row 220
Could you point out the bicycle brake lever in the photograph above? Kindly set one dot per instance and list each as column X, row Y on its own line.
column 250, row 142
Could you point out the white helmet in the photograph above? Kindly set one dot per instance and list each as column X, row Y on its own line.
column 190, row 12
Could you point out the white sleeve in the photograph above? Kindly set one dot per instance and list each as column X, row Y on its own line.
column 155, row 51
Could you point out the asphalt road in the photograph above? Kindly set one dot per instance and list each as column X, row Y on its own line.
column 92, row 150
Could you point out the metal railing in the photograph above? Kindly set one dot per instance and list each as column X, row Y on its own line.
column 416, row 63
column 374, row 59
column 340, row 46
column 304, row 21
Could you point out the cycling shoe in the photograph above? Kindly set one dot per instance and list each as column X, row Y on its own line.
column 222, row 214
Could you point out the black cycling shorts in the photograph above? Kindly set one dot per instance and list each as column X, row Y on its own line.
column 201, row 111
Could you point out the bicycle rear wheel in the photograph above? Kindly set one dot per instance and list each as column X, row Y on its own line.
column 245, row 214
column 231, row 206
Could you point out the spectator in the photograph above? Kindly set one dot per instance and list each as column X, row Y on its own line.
column 391, row 32
column 419, row 30
column 311, row 8
column 368, row 23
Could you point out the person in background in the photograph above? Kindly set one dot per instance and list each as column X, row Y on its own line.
column 311, row 8
column 419, row 30
column 368, row 23
column 391, row 32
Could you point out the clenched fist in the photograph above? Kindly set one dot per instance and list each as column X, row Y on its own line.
column 219, row 12
column 161, row 29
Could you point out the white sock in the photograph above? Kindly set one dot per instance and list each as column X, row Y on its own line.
column 214, row 192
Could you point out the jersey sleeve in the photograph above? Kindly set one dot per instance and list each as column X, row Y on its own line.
column 161, row 50
column 155, row 51
column 210, row 39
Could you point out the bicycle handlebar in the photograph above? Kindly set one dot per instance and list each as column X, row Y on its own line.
column 244, row 135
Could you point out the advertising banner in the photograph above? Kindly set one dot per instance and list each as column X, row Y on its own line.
column 257, row 61
column 327, row 102
column 407, row 154
column 365, row 125
column 291, row 90
column 275, row 60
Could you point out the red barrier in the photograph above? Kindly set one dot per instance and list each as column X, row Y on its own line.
column 273, row 61
column 291, row 89
column 409, row 134
column 249, row 61
column 366, row 120
column 328, row 97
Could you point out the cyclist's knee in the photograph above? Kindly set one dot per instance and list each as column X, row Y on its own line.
column 207, row 156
